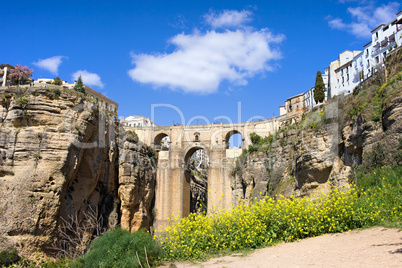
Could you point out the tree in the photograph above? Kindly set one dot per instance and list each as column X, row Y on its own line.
column 57, row 81
column 319, row 87
column 20, row 74
column 79, row 86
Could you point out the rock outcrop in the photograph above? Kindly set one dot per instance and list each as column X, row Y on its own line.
column 59, row 159
column 137, row 177
column 198, row 190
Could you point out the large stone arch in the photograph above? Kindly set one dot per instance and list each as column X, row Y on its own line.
column 172, row 187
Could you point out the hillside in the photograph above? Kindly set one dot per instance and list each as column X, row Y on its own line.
column 328, row 146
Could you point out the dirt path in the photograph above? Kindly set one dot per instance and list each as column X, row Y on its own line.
column 375, row 247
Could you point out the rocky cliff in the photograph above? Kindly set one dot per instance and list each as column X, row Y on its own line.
column 137, row 177
column 326, row 146
column 59, row 160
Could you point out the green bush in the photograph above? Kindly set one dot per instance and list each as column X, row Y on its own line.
column 8, row 257
column 56, row 92
column 22, row 101
column 384, row 187
column 57, row 81
column 120, row 248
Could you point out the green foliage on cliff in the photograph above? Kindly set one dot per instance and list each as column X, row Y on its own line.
column 151, row 153
column 22, row 101
column 369, row 100
column 259, row 144
column 56, row 92
column 8, row 257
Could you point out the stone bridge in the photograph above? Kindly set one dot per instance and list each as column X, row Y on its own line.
column 172, row 195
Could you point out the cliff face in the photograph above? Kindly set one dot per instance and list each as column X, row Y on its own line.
column 58, row 159
column 324, row 147
column 137, row 177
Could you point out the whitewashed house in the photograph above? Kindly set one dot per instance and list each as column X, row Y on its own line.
column 138, row 121
column 342, row 77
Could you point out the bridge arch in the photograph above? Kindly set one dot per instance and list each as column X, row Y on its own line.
column 162, row 141
column 232, row 133
column 190, row 151
column 196, row 172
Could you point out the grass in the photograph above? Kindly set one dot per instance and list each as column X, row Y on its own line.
column 120, row 248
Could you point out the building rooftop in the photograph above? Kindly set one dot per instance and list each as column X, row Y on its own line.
column 367, row 44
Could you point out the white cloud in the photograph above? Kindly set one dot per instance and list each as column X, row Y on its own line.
column 202, row 61
column 228, row 18
column 50, row 64
column 89, row 79
column 366, row 18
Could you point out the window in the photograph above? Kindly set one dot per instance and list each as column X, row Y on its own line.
column 385, row 28
column 376, row 35
column 377, row 60
column 196, row 136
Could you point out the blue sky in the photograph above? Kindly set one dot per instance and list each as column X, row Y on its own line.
column 206, row 58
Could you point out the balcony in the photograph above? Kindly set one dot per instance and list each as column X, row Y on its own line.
column 160, row 147
column 391, row 38
column 384, row 43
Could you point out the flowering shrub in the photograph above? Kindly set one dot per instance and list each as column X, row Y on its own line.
column 269, row 221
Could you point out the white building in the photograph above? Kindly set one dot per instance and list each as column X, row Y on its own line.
column 139, row 121
column 43, row 81
column 4, row 71
column 309, row 101
column 282, row 109
column 342, row 74
column 366, row 59
column 201, row 159
column 353, row 67
column 384, row 39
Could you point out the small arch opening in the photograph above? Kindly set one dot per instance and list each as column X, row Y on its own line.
column 234, row 140
column 162, row 141
column 196, row 174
